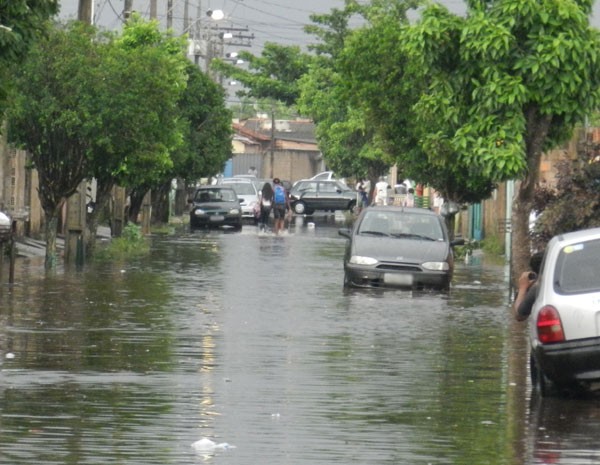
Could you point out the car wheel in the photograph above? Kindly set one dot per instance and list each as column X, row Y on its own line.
column 540, row 382
column 347, row 281
column 299, row 208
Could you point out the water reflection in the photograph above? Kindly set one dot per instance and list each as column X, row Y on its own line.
column 564, row 431
column 251, row 340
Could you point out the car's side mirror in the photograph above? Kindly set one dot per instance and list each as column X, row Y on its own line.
column 344, row 232
column 459, row 241
column 240, row 200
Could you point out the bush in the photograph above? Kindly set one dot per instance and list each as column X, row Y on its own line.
column 131, row 244
column 575, row 202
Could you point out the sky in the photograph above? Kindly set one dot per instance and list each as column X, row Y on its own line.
column 256, row 21
column 279, row 21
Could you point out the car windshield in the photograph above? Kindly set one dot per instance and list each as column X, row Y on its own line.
column 401, row 225
column 215, row 195
column 242, row 188
column 577, row 268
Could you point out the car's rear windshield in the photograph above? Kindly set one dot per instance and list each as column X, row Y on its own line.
column 215, row 195
column 577, row 268
column 242, row 188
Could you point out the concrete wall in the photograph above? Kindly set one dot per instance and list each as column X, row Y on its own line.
column 291, row 165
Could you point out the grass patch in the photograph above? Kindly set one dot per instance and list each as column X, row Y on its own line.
column 131, row 244
column 493, row 246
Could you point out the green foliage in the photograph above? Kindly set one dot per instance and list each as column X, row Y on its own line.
column 346, row 134
column 273, row 75
column 206, row 127
column 22, row 23
column 575, row 202
column 144, row 76
column 131, row 244
column 513, row 77
column 50, row 113
column 493, row 245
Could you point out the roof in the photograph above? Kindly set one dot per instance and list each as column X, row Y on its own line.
column 299, row 130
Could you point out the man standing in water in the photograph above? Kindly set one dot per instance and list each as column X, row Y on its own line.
column 281, row 204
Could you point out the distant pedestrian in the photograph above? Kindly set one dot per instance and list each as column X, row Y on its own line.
column 381, row 191
column 281, row 204
column 409, row 200
column 363, row 197
column 253, row 171
column 266, row 205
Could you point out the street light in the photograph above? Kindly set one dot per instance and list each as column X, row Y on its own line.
column 217, row 15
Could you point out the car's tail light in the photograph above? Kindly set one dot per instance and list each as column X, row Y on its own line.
column 549, row 326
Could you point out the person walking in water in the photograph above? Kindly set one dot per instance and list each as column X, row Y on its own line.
column 281, row 204
column 266, row 205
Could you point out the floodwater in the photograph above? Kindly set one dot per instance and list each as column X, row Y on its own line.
column 250, row 341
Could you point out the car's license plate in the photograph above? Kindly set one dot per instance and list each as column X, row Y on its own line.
column 217, row 218
column 398, row 279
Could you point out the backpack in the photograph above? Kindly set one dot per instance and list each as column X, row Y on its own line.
column 279, row 195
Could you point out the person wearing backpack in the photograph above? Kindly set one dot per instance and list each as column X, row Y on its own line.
column 281, row 204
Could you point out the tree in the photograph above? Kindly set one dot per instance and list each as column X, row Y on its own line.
column 575, row 201
column 514, row 77
column 206, row 128
column 418, row 142
column 21, row 23
column 51, row 120
column 347, row 138
column 89, row 105
column 274, row 74
column 142, row 77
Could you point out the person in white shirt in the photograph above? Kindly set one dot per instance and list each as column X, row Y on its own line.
column 381, row 192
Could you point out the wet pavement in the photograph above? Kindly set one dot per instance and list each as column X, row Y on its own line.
column 250, row 341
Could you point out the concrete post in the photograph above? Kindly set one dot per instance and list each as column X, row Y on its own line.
column 146, row 213
column 118, row 211
column 76, row 210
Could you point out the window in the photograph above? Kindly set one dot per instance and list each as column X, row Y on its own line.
column 577, row 268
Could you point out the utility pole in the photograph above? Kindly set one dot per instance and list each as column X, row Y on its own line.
column 84, row 12
column 76, row 204
column 186, row 15
column 127, row 9
column 272, row 142
column 169, row 14
column 153, row 9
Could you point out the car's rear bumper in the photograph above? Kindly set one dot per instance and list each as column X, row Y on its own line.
column 570, row 362
column 361, row 276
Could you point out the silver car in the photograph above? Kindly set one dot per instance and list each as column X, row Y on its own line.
column 247, row 191
column 564, row 326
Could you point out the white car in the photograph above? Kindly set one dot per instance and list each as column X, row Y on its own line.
column 324, row 176
column 564, row 326
column 247, row 192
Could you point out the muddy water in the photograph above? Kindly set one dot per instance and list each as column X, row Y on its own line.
column 250, row 341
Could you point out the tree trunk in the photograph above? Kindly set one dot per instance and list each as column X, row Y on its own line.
column 136, row 198
column 160, row 203
column 50, row 230
column 537, row 130
column 181, row 197
column 103, row 191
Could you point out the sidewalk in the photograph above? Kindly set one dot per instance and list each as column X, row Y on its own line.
column 28, row 247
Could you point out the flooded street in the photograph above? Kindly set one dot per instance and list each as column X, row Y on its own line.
column 250, row 341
